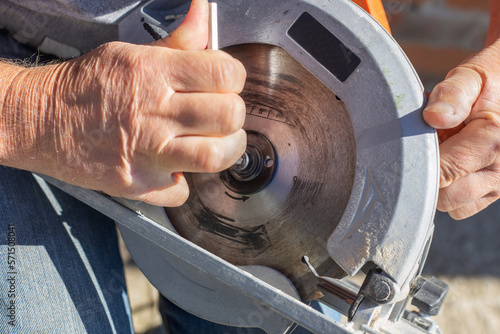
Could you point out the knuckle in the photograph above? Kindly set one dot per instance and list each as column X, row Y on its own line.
column 121, row 55
column 462, row 85
column 476, row 69
column 473, row 73
column 227, row 74
column 241, row 75
column 109, row 48
column 456, row 196
column 183, row 195
column 232, row 114
column 489, row 130
column 452, row 171
column 241, row 143
column 449, row 88
column 469, row 209
column 210, row 158
column 222, row 75
column 492, row 120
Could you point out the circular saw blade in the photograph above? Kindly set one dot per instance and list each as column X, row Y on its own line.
column 312, row 135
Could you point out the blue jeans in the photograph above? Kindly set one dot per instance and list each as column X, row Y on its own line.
column 179, row 321
column 60, row 268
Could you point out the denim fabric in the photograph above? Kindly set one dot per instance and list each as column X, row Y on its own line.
column 60, row 267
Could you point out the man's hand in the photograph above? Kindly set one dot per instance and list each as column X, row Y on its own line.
column 470, row 159
column 128, row 119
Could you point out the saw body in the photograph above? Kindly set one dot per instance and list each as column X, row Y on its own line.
column 340, row 178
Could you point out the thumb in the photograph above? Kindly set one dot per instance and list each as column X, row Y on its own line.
column 192, row 33
column 451, row 101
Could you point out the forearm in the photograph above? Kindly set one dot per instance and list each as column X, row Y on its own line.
column 25, row 115
column 8, row 75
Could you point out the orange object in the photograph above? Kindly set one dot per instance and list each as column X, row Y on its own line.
column 375, row 9
column 445, row 134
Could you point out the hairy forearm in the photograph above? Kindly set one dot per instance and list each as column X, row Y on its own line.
column 8, row 76
column 26, row 114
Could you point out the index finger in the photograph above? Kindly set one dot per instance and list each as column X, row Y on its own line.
column 203, row 71
column 468, row 151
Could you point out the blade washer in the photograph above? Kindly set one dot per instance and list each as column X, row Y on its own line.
column 255, row 170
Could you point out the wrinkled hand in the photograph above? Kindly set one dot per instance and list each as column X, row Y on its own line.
column 470, row 159
column 128, row 119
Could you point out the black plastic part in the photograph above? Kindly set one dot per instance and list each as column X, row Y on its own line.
column 323, row 46
column 376, row 287
column 430, row 296
column 155, row 32
column 354, row 307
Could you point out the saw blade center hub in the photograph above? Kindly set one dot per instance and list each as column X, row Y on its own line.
column 255, row 169
column 249, row 165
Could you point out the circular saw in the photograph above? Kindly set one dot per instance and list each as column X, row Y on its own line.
column 339, row 178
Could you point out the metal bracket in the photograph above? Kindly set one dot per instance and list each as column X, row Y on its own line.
column 376, row 287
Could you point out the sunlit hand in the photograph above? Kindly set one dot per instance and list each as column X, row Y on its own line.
column 470, row 159
column 129, row 119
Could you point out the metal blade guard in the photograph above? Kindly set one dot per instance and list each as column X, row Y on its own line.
column 340, row 167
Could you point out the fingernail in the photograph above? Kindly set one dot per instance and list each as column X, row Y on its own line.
column 441, row 108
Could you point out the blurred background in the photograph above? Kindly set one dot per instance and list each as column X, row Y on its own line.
column 436, row 35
